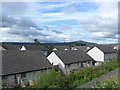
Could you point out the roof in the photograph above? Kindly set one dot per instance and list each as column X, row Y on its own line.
column 2, row 48
column 11, row 46
column 72, row 56
column 23, row 61
column 81, row 47
column 62, row 47
column 106, row 48
column 35, row 47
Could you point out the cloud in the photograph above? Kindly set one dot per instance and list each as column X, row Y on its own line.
column 69, row 10
column 60, row 21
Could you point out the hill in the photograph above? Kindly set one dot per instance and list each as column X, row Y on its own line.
column 75, row 43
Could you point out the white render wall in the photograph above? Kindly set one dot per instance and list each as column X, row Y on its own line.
column 96, row 54
column 55, row 60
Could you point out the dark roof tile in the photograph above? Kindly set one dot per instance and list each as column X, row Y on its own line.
column 23, row 61
column 72, row 56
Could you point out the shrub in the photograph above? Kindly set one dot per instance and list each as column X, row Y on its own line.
column 54, row 79
column 107, row 84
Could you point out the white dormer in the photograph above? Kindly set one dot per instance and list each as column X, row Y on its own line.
column 65, row 49
column 88, row 48
column 75, row 48
column 23, row 48
column 54, row 49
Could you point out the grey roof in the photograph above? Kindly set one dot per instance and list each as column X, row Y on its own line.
column 11, row 46
column 73, row 56
column 23, row 61
column 62, row 47
column 106, row 48
column 35, row 47
column 2, row 48
column 81, row 47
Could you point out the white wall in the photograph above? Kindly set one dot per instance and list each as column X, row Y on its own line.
column 55, row 60
column 96, row 54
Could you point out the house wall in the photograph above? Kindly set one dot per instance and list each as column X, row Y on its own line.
column 78, row 65
column 109, row 56
column 73, row 66
column 10, row 80
column 96, row 54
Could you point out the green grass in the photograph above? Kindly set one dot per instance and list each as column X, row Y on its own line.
column 113, row 77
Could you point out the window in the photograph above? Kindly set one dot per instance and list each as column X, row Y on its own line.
column 89, row 62
column 68, row 65
column 4, row 77
column 23, row 75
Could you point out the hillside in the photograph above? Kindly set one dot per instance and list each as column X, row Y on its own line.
column 75, row 43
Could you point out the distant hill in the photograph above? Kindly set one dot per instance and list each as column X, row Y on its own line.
column 75, row 43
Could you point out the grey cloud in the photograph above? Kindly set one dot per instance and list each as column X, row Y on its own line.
column 69, row 10
column 26, row 32
column 53, row 30
column 57, row 31
column 14, row 8
column 26, row 23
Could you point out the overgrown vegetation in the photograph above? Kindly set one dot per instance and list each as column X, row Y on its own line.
column 54, row 79
column 107, row 84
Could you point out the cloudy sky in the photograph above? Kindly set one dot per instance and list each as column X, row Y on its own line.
column 95, row 22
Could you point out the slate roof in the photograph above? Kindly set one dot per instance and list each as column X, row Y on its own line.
column 81, row 47
column 11, row 46
column 106, row 49
column 35, row 47
column 73, row 56
column 23, row 61
column 62, row 47
column 2, row 48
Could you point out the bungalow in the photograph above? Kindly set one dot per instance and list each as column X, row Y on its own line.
column 61, row 48
column 35, row 47
column 70, row 60
column 20, row 66
column 102, row 53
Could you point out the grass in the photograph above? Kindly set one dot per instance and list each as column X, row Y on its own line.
column 113, row 77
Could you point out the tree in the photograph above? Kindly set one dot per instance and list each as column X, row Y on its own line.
column 36, row 42
column 49, row 49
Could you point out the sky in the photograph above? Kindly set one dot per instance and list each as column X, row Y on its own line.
column 51, row 22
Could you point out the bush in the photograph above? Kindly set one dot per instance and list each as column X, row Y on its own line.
column 54, row 79
column 107, row 84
